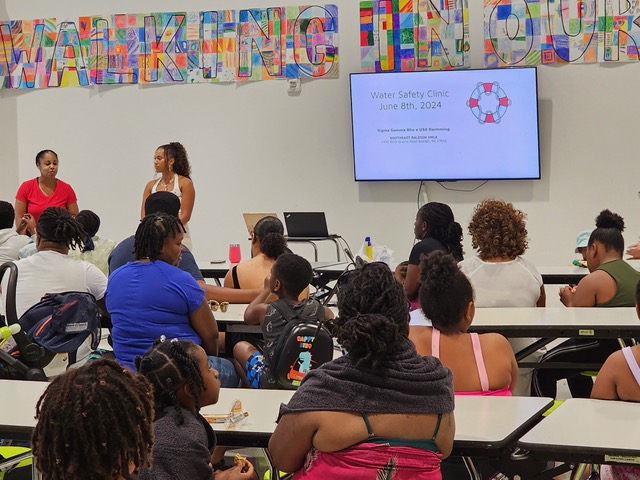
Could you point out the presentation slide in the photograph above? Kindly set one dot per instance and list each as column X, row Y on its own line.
column 446, row 125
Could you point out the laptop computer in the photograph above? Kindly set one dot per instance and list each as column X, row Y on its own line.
column 306, row 224
column 250, row 219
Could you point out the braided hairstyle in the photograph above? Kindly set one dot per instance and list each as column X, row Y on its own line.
column 42, row 153
column 442, row 227
column 58, row 226
column 374, row 314
column 167, row 365
column 153, row 230
column 177, row 151
column 609, row 228
column 94, row 422
column 270, row 233
column 445, row 291
column 90, row 222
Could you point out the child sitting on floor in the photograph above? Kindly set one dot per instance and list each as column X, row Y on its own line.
column 481, row 364
column 94, row 422
column 290, row 275
column 183, row 381
column 619, row 379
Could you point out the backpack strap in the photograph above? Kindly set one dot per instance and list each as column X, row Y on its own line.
column 287, row 312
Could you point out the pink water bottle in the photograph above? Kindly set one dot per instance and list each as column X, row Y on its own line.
column 234, row 253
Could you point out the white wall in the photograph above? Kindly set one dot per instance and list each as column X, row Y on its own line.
column 254, row 148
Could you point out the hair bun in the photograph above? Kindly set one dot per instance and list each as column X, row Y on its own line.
column 608, row 219
column 437, row 269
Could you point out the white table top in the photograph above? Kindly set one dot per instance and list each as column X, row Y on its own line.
column 235, row 313
column 555, row 320
column 481, row 422
column 589, row 426
column 225, row 266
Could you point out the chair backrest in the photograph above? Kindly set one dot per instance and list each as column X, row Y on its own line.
column 305, row 344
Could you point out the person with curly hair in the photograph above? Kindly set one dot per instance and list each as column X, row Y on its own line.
column 172, row 163
column 377, row 410
column 435, row 229
column 499, row 274
column 610, row 283
column 94, row 422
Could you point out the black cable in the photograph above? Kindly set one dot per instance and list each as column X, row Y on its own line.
column 462, row 190
column 419, row 191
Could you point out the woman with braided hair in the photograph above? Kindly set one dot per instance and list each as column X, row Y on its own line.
column 381, row 409
column 94, row 422
column 51, row 270
column 436, row 229
column 183, row 382
column 150, row 297
column 172, row 163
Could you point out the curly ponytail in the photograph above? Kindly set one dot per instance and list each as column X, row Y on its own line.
column 177, row 151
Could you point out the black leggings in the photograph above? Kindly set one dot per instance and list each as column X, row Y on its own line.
column 574, row 350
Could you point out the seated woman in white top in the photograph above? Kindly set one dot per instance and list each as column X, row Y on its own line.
column 500, row 276
column 51, row 270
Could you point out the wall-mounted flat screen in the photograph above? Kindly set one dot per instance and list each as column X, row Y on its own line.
column 446, row 125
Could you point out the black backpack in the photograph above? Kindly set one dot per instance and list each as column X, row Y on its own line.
column 305, row 344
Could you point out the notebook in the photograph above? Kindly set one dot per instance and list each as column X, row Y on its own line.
column 306, row 224
column 250, row 219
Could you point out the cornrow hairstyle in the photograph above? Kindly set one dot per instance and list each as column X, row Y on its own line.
column 498, row 230
column 94, row 422
column 153, row 230
column 445, row 291
column 7, row 214
column 42, row 153
column 58, row 226
column 374, row 314
column 270, row 234
column 294, row 273
column 177, row 151
column 168, row 364
column 442, row 226
column 609, row 228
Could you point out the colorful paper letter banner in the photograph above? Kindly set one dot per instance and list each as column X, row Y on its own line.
column 411, row 35
column 176, row 47
column 534, row 32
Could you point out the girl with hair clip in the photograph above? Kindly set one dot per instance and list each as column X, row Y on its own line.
column 183, row 382
column 172, row 163
column 94, row 422
column 381, row 410
column 481, row 364
column 436, row 229
column 36, row 195
column 610, row 283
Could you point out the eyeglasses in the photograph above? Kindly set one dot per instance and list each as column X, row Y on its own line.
column 215, row 305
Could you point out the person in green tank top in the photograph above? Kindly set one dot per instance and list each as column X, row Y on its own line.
column 610, row 283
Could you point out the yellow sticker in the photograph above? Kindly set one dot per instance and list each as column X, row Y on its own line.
column 586, row 332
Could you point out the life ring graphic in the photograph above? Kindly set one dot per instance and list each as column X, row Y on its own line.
column 488, row 102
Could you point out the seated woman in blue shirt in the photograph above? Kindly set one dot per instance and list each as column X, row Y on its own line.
column 150, row 297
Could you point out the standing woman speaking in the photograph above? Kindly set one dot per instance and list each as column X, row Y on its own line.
column 172, row 162
column 36, row 195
